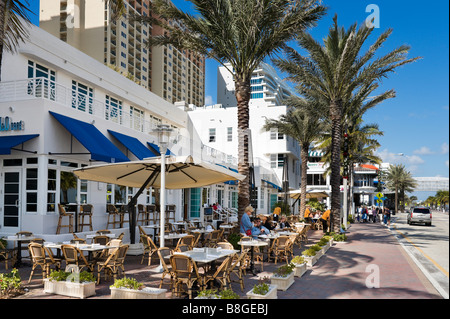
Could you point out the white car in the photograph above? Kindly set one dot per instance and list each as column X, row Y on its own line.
column 420, row 215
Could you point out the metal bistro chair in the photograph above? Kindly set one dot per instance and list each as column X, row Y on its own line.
column 113, row 216
column 170, row 213
column 7, row 254
column 74, row 256
column 164, row 254
column 149, row 248
column 114, row 263
column 143, row 215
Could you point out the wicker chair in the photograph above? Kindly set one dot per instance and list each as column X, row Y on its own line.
column 186, row 240
column 8, row 254
column 74, row 256
column 149, row 248
column 164, row 254
column 114, row 263
column 279, row 248
column 185, row 273
column 113, row 216
column 225, row 245
column 220, row 274
column 238, row 267
column 41, row 257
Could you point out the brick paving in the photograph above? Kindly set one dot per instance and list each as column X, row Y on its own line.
column 343, row 272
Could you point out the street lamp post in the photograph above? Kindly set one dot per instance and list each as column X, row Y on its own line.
column 163, row 131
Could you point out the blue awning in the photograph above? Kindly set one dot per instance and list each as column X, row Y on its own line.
column 8, row 142
column 273, row 185
column 133, row 145
column 92, row 139
column 231, row 182
column 155, row 149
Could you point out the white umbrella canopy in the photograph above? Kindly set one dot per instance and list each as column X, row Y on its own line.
column 181, row 172
column 309, row 194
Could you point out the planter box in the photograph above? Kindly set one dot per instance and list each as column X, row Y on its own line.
column 70, row 289
column 311, row 260
column 300, row 269
column 282, row 283
column 146, row 293
column 272, row 294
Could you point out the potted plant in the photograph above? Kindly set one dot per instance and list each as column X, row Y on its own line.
column 300, row 265
column 324, row 243
column 72, row 284
column 130, row 288
column 283, row 278
column 340, row 238
column 263, row 290
column 213, row 294
column 310, row 256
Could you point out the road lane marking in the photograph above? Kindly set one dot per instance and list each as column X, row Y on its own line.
column 425, row 255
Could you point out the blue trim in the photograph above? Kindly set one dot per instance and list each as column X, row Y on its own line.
column 133, row 144
column 92, row 139
column 8, row 142
column 273, row 185
column 155, row 149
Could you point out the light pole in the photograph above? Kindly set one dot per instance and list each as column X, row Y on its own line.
column 163, row 131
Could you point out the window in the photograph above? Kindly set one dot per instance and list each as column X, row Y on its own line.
column 229, row 134
column 113, row 109
column 68, row 188
column 43, row 81
column 31, row 186
column 212, row 135
column 315, row 179
column 136, row 119
column 82, row 97
column 276, row 160
column 51, row 191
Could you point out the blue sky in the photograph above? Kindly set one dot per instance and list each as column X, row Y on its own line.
column 416, row 122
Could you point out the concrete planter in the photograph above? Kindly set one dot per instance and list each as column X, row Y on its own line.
column 271, row 294
column 300, row 269
column 311, row 260
column 70, row 289
column 282, row 283
column 146, row 293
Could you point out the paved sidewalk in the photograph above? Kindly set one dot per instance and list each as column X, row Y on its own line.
column 371, row 256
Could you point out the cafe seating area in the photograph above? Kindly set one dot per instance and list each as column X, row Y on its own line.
column 195, row 255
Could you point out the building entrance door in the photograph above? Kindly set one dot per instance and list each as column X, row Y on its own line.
column 10, row 201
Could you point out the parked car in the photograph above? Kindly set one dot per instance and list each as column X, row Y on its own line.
column 420, row 215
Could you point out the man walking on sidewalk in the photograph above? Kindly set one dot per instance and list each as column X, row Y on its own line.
column 325, row 219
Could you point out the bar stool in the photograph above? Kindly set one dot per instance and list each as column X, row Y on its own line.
column 62, row 214
column 123, row 211
column 170, row 213
column 143, row 215
column 114, row 214
column 85, row 211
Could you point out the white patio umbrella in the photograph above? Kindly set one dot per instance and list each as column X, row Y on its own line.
column 181, row 172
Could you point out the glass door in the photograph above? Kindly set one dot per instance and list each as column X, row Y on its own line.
column 11, row 201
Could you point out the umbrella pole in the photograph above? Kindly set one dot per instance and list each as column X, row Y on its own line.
column 132, row 210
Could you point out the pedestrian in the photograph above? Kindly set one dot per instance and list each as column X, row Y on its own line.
column 364, row 214
column 370, row 214
column 358, row 214
column 387, row 217
column 307, row 214
column 325, row 219
column 246, row 224
column 276, row 214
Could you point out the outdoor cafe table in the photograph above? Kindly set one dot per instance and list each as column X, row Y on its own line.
column 20, row 240
column 90, row 248
column 173, row 236
column 202, row 232
column 91, row 236
column 155, row 227
column 253, row 243
column 207, row 255
column 180, row 225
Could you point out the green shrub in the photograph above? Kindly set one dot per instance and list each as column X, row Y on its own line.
column 309, row 252
column 10, row 284
column 234, row 238
column 285, row 270
column 298, row 260
column 261, row 289
column 61, row 275
column 128, row 283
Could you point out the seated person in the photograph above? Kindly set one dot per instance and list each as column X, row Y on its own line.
column 284, row 223
column 267, row 222
column 258, row 229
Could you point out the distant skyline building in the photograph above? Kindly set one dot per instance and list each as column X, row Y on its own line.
column 266, row 86
column 86, row 25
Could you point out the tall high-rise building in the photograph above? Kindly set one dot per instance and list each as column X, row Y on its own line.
column 87, row 25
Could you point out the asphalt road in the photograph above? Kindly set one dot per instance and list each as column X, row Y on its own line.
column 428, row 246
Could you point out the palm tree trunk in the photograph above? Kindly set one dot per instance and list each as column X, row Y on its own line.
column 336, row 136
column 243, row 98
column 396, row 199
column 304, row 157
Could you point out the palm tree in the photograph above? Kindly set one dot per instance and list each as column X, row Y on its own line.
column 304, row 127
column 399, row 180
column 242, row 33
column 442, row 197
column 12, row 31
column 336, row 71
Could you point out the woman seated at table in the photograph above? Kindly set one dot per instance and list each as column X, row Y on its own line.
column 267, row 222
column 258, row 229
column 284, row 223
